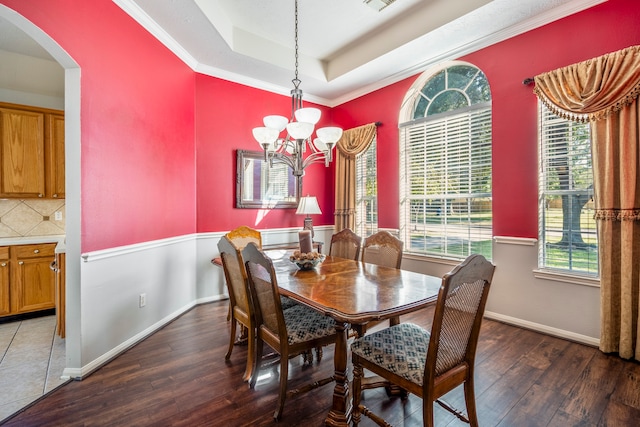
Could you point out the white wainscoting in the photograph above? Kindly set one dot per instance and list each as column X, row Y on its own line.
column 111, row 283
column 175, row 274
column 520, row 295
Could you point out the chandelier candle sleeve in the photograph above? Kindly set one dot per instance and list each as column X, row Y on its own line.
column 305, row 241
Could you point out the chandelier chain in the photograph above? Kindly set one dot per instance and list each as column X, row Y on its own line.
column 296, row 80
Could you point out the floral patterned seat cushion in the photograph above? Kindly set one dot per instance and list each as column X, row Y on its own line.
column 401, row 349
column 304, row 324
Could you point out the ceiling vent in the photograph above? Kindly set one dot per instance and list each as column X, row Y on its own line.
column 378, row 4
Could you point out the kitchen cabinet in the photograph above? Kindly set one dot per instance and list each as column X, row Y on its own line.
column 54, row 156
column 5, row 302
column 60, row 271
column 27, row 281
column 31, row 152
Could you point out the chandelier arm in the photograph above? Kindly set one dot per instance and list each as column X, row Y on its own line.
column 282, row 158
column 316, row 157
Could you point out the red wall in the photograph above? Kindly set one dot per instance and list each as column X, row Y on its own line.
column 605, row 28
column 159, row 141
column 137, row 123
column 226, row 113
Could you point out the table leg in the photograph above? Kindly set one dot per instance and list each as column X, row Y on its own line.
column 340, row 414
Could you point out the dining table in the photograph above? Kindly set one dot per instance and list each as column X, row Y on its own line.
column 353, row 293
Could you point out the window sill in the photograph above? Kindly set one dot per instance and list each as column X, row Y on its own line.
column 567, row 278
column 431, row 258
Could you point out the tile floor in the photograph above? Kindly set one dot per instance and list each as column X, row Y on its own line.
column 32, row 359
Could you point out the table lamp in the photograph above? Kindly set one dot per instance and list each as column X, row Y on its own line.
column 308, row 205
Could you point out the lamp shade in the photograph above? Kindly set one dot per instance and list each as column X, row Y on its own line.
column 265, row 135
column 330, row 134
column 300, row 130
column 309, row 115
column 275, row 122
column 308, row 205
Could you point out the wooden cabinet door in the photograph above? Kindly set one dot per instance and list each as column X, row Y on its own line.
column 5, row 301
column 61, row 307
column 32, row 281
column 21, row 153
column 55, row 156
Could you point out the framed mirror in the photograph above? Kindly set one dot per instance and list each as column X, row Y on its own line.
column 261, row 186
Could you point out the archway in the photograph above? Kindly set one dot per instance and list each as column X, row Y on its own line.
column 72, row 179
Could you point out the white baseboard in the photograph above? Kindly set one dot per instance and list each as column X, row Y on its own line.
column 559, row 333
column 87, row 369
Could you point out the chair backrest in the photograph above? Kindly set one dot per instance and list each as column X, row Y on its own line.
column 383, row 249
column 235, row 274
column 345, row 244
column 244, row 235
column 458, row 315
column 263, row 286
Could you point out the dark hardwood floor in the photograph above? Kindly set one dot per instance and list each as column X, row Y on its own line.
column 178, row 377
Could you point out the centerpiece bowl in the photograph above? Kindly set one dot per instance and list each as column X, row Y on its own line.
column 306, row 261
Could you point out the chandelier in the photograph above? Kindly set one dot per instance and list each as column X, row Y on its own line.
column 291, row 148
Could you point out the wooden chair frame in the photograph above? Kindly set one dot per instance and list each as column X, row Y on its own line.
column 383, row 239
column 240, row 310
column 266, row 305
column 345, row 237
column 474, row 271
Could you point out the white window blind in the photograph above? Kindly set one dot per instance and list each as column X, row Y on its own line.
column 367, row 192
column 567, row 230
column 275, row 182
column 446, row 183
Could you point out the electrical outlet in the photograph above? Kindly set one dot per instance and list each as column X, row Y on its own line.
column 143, row 300
column 58, row 216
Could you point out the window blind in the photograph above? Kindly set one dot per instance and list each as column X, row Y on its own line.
column 367, row 192
column 567, row 230
column 446, row 184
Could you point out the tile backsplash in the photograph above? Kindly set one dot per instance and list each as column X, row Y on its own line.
column 31, row 217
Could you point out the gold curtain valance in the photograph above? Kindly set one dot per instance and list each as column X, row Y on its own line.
column 356, row 140
column 353, row 142
column 591, row 90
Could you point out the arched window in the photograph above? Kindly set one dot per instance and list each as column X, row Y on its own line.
column 445, row 171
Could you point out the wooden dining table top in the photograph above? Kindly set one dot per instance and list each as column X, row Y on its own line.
column 354, row 291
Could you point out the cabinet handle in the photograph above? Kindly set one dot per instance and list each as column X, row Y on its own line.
column 39, row 195
column 55, row 195
column 36, row 251
column 4, row 264
column 20, row 262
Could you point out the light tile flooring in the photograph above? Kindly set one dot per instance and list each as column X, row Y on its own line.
column 32, row 359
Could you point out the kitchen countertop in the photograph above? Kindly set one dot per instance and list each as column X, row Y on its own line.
column 29, row 240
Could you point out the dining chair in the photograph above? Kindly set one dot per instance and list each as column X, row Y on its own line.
column 244, row 235
column 430, row 363
column 240, row 237
column 384, row 249
column 345, row 244
column 239, row 307
column 288, row 332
